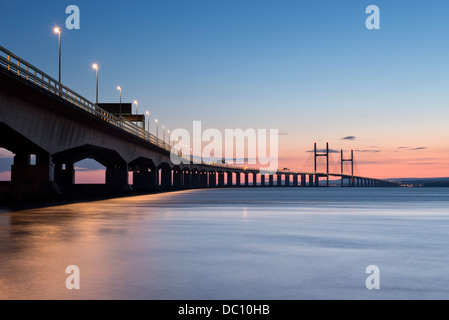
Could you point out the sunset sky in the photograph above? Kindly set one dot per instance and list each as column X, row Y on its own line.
column 308, row 68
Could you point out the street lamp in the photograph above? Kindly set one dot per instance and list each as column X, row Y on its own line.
column 95, row 67
column 57, row 30
column 157, row 128
column 120, row 89
column 137, row 106
column 148, row 116
column 163, row 135
column 169, row 138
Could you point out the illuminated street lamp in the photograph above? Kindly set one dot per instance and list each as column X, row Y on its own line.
column 169, row 138
column 163, row 135
column 95, row 67
column 137, row 106
column 148, row 116
column 120, row 89
column 57, row 30
column 157, row 128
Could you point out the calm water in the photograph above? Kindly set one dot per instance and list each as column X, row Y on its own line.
column 232, row 244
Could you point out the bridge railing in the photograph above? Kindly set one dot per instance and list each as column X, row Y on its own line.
column 27, row 71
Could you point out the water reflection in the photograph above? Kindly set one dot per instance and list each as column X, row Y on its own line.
column 230, row 244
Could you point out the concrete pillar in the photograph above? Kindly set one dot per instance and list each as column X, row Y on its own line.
column 33, row 181
column 117, row 177
column 212, row 179
column 221, row 179
column 203, row 180
column 65, row 177
column 317, row 180
column 287, row 180
column 229, row 179
column 279, row 180
column 177, row 179
column 254, row 179
column 271, row 180
column 238, row 179
column 144, row 180
column 303, row 180
column 310, row 180
column 187, row 179
column 166, row 179
column 262, row 180
column 195, row 179
column 246, row 174
column 295, row 180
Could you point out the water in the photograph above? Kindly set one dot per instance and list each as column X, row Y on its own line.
column 232, row 244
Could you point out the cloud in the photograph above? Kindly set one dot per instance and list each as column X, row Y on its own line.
column 420, row 148
column 349, row 138
column 411, row 149
column 423, row 163
column 369, row 150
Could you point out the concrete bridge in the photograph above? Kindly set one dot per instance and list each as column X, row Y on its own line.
column 41, row 117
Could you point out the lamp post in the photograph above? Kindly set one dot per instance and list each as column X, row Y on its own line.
column 163, row 135
column 148, row 116
column 169, row 138
column 120, row 89
column 57, row 30
column 137, row 106
column 157, row 128
column 95, row 67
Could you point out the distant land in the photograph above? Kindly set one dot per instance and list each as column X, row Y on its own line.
column 424, row 182
column 411, row 182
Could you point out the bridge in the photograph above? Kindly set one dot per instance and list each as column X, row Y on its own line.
column 43, row 120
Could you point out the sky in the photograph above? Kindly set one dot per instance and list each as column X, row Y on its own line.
column 308, row 68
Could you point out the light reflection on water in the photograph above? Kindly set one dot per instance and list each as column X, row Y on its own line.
column 232, row 244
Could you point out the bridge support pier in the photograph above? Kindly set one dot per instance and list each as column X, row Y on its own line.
column 144, row 180
column 195, row 179
column 229, row 179
column 212, row 179
column 177, row 179
column 117, row 178
column 246, row 179
column 271, row 180
column 221, row 179
column 33, row 181
column 238, row 179
column 295, row 181
column 65, row 177
column 287, row 180
column 254, row 179
column 166, row 177
column 303, row 180
column 317, row 180
column 262, row 180
column 279, row 180
column 311, row 178
column 203, row 180
column 187, row 179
